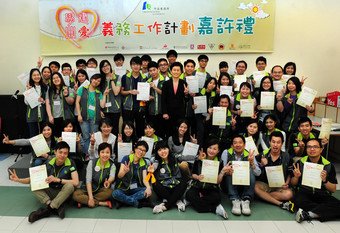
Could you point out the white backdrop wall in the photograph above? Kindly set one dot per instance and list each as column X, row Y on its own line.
column 306, row 32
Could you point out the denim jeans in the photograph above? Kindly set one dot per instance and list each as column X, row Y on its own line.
column 129, row 197
column 87, row 128
column 241, row 191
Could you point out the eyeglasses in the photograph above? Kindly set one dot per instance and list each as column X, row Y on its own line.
column 313, row 147
column 142, row 150
column 163, row 64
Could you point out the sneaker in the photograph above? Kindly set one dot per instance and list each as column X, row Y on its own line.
column 61, row 211
column 288, row 205
column 302, row 215
column 158, row 208
column 180, row 206
column 245, row 207
column 221, row 211
column 39, row 214
column 236, row 210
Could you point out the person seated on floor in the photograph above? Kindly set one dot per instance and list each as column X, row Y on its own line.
column 297, row 141
column 204, row 196
column 170, row 185
column 315, row 203
column 51, row 141
column 100, row 174
column 275, row 157
column 240, row 195
column 131, row 187
column 62, row 177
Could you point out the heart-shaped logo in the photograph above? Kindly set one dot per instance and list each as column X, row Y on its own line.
column 73, row 15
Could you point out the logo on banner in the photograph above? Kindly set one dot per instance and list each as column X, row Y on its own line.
column 221, row 46
column 192, row 46
column 201, row 46
column 146, row 6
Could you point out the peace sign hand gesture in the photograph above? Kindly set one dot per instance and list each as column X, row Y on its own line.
column 297, row 172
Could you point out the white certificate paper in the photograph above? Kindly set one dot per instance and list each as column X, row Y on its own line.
column 120, row 71
column 66, row 79
column 250, row 145
column 275, row 176
column 238, row 79
column 267, row 100
column 247, row 107
column 201, row 102
column 258, row 75
column 241, row 174
column 226, row 90
column 326, row 127
column 311, row 175
column 190, row 148
column 307, row 97
column 38, row 177
column 32, row 97
column 219, row 116
column 85, row 83
column 279, row 85
column 287, row 76
column 150, row 143
column 71, row 139
column 23, row 78
column 91, row 72
column 210, row 171
column 39, row 145
column 201, row 78
column 144, row 91
column 192, row 82
column 124, row 148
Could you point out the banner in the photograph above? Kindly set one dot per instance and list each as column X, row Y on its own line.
column 87, row 27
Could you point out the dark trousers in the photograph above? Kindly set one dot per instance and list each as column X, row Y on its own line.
column 172, row 195
column 204, row 200
column 138, row 118
column 58, row 126
column 320, row 203
column 34, row 128
column 114, row 118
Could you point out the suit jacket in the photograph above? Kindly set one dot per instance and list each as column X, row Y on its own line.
column 173, row 104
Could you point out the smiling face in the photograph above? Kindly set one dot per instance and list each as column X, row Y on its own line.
column 106, row 69
column 225, row 81
column 211, row 85
column 163, row 153
column 47, row 132
column 66, row 71
column 105, row 155
column 224, row 102
column 277, row 73
column 36, row 77
column 149, row 131
column 291, row 86
column 305, row 128
column 46, row 74
column 212, row 151
column 241, row 68
column 290, row 70
column 238, row 145
column 189, row 68
column 68, row 128
column 61, row 156
column 153, row 72
column 128, row 131
column 261, row 65
column 140, row 152
column 56, row 80
column 106, row 129
column 245, row 91
column 182, row 129
column 252, row 129
column 95, row 82
column 314, row 149
column 176, row 72
column 81, row 77
column 266, row 84
column 276, row 144
column 270, row 124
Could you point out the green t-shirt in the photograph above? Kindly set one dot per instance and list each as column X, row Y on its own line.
column 91, row 102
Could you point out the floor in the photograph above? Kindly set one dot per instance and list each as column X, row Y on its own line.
column 16, row 203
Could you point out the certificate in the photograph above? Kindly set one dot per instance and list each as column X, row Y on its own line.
column 307, row 97
column 150, row 142
column 250, row 145
column 120, row 71
column 71, row 139
column 23, row 78
column 326, row 127
column 124, row 148
column 275, row 176
column 91, row 72
column 238, row 79
column 287, row 76
column 219, row 116
column 267, row 100
column 192, row 82
column 247, row 107
column 279, row 85
column 201, row 78
column 311, row 175
column 66, row 79
column 144, row 91
column 190, row 148
column 201, row 102
column 258, row 75
column 85, row 83
column 38, row 177
column 32, row 97
column 210, row 171
column 226, row 90
column 39, row 145
column 241, row 174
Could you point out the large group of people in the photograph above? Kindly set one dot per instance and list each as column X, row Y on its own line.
column 92, row 104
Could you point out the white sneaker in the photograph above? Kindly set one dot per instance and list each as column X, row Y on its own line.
column 158, row 208
column 245, row 207
column 236, row 210
column 221, row 211
column 180, row 206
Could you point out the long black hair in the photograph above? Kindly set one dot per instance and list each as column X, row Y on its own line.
column 186, row 136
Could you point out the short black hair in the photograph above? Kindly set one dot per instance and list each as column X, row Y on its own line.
column 142, row 143
column 177, row 64
column 80, row 62
column 223, row 64
column 57, row 64
column 118, row 56
column 162, row 59
column 242, row 61
column 92, row 59
column 315, row 139
column 261, row 58
column 64, row 65
column 136, row 60
column 103, row 146
column 189, row 61
column 238, row 136
column 62, row 145
column 277, row 134
column 171, row 52
column 203, row 56
column 146, row 57
column 304, row 119
column 152, row 64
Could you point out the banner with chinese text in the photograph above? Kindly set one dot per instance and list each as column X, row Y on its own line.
column 86, row 27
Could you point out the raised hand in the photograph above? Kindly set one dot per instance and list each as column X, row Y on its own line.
column 202, row 155
column 13, row 175
column 296, row 171
column 193, row 139
column 92, row 140
column 39, row 62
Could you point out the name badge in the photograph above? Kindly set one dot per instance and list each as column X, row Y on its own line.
column 133, row 186
column 97, row 168
column 56, row 103
column 108, row 104
column 91, row 107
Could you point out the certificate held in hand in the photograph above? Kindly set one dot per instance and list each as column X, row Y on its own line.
column 311, row 175
column 190, row 148
column 326, row 128
column 32, row 97
column 210, row 171
column 124, row 148
column 247, row 107
column 144, row 91
column 38, row 177
column 275, row 176
column 150, row 142
column 192, row 82
column 267, row 100
column 201, row 102
column 219, row 116
column 39, row 145
column 71, row 139
column 238, row 80
column 241, row 174
column 307, row 97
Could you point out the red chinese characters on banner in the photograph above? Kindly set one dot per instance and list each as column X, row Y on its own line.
column 107, row 29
